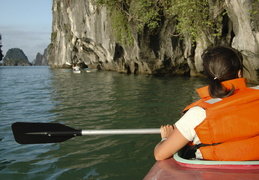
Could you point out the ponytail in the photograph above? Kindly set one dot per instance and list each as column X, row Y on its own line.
column 221, row 64
column 217, row 90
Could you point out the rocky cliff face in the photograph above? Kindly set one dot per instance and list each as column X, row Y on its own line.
column 82, row 32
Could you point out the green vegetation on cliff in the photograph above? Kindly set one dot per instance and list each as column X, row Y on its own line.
column 192, row 16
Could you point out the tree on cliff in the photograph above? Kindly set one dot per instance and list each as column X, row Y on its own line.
column 15, row 57
column 192, row 16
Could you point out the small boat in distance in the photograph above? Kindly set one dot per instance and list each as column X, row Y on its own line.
column 180, row 168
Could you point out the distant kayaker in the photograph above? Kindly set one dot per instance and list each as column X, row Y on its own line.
column 223, row 124
column 75, row 67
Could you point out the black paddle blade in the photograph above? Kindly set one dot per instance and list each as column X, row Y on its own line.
column 37, row 133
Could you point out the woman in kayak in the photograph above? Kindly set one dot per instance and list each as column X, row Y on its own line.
column 75, row 67
column 223, row 124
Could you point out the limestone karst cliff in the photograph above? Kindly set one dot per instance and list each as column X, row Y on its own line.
column 82, row 32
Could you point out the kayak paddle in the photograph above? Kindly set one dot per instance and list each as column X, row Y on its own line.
column 37, row 133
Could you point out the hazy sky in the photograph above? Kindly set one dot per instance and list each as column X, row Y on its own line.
column 26, row 24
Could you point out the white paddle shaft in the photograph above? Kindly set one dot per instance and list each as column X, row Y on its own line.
column 120, row 131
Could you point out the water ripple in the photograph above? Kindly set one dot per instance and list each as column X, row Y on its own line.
column 101, row 100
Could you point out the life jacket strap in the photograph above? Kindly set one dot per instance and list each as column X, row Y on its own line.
column 197, row 146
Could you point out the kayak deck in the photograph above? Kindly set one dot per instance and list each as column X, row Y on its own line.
column 76, row 71
column 179, row 168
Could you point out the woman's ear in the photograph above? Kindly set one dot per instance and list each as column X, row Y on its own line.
column 240, row 74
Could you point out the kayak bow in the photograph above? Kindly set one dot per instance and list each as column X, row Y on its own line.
column 179, row 168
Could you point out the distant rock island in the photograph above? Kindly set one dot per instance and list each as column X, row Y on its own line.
column 41, row 59
column 15, row 57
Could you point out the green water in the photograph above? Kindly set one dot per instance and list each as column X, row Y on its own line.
column 96, row 100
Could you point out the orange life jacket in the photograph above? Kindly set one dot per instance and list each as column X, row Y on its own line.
column 230, row 131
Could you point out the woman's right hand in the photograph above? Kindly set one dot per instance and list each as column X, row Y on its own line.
column 174, row 142
column 166, row 130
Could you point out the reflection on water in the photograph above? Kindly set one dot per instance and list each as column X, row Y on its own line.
column 109, row 96
column 99, row 100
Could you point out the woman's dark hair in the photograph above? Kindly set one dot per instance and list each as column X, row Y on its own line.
column 221, row 64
